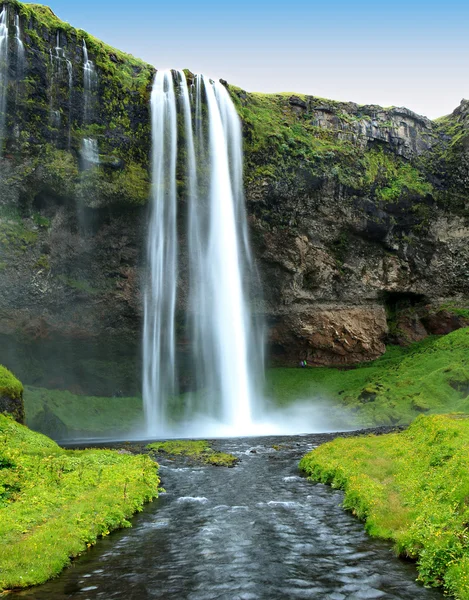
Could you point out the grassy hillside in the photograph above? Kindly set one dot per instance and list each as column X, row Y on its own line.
column 428, row 377
column 411, row 488
column 55, row 503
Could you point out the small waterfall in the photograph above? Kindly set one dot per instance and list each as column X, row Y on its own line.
column 89, row 153
column 90, row 83
column 19, row 49
column 3, row 73
column 226, row 349
column 61, row 67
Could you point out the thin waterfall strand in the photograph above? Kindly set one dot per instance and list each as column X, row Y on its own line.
column 90, row 82
column 3, row 73
column 19, row 49
column 159, row 382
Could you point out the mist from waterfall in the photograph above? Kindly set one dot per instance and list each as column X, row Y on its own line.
column 224, row 347
column 3, row 73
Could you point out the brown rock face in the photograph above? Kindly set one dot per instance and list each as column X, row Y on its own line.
column 442, row 322
column 334, row 335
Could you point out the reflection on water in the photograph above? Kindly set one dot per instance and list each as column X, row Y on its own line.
column 258, row 531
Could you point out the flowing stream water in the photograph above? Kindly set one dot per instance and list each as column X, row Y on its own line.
column 225, row 347
column 258, row 531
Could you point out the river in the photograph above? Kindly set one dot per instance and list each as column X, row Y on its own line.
column 258, row 531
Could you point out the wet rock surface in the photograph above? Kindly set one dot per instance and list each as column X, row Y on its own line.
column 12, row 406
column 257, row 531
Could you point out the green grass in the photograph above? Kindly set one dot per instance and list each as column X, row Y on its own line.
column 411, row 488
column 9, row 385
column 428, row 377
column 199, row 450
column 103, row 415
column 56, row 503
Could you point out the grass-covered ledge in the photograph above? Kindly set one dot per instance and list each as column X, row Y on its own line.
column 411, row 488
column 55, row 503
column 11, row 395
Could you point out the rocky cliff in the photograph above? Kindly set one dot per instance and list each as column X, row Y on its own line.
column 358, row 214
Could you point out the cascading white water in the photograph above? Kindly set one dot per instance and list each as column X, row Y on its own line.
column 57, row 60
column 3, row 72
column 225, row 347
column 89, row 153
column 90, row 82
column 159, row 381
column 19, row 49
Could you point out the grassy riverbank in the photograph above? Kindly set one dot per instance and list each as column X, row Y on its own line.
column 55, row 503
column 428, row 377
column 411, row 488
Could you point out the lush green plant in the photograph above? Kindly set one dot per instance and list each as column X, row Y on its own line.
column 198, row 450
column 9, row 385
column 412, row 488
column 56, row 503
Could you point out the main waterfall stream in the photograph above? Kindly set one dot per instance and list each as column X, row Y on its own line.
column 258, row 531
column 197, row 131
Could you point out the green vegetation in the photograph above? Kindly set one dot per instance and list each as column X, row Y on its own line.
column 460, row 309
column 61, row 414
column 411, row 488
column 280, row 142
column 56, row 503
column 9, row 385
column 120, row 125
column 431, row 376
column 15, row 233
column 198, row 450
column 392, row 177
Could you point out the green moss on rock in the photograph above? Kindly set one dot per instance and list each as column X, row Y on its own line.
column 198, row 450
column 11, row 395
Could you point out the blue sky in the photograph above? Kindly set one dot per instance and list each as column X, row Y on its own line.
column 413, row 53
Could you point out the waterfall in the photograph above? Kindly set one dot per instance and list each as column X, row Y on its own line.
column 225, row 347
column 3, row 73
column 160, row 295
column 58, row 59
column 19, row 49
column 90, row 82
column 89, row 153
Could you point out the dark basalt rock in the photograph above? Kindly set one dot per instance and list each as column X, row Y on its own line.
column 12, row 406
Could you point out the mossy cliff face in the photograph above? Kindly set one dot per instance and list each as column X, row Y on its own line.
column 360, row 223
column 71, row 233
column 11, row 395
column 358, row 217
